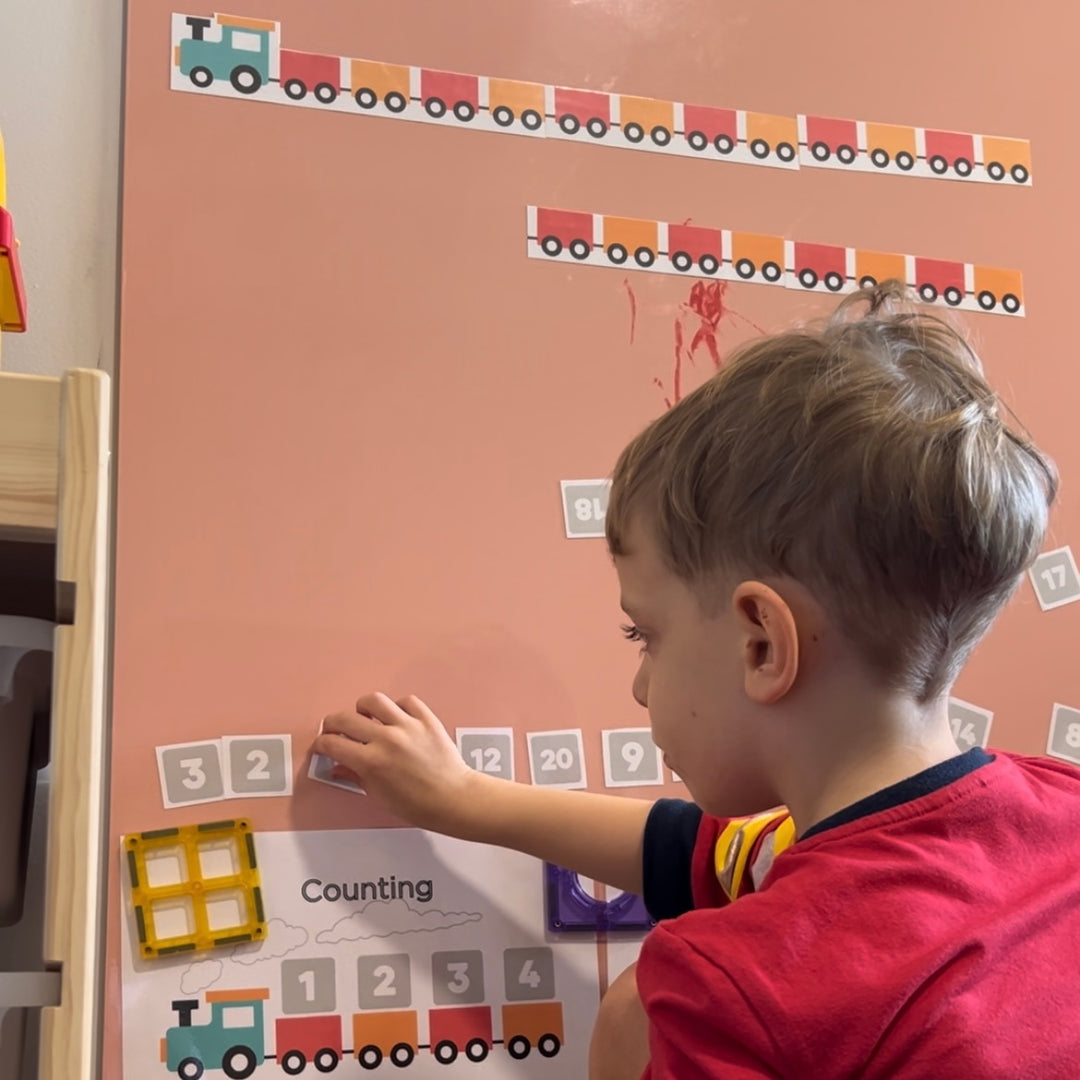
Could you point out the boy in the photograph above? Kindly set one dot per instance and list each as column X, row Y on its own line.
column 808, row 548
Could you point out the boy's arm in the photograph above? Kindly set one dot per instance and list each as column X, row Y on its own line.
column 403, row 756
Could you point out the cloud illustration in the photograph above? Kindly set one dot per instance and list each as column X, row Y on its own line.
column 380, row 919
column 200, row 975
column 281, row 939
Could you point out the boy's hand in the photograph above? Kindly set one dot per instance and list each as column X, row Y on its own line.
column 403, row 756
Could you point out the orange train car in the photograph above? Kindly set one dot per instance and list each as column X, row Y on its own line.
column 767, row 134
column 623, row 237
column 373, row 82
column 640, row 116
column 1010, row 157
column 510, row 100
column 874, row 267
column 536, row 1023
column 995, row 286
column 393, row 1034
column 755, row 254
column 892, row 143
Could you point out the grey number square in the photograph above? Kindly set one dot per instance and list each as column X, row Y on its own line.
column 585, row 507
column 488, row 750
column 631, row 758
column 190, row 773
column 385, row 981
column 457, row 978
column 308, row 986
column 970, row 724
column 556, row 759
column 529, row 974
column 1054, row 576
column 259, row 764
column 1064, row 740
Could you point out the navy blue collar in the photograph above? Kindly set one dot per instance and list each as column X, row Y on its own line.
column 914, row 787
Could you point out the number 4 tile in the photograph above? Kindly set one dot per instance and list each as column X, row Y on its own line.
column 1064, row 739
column 1055, row 578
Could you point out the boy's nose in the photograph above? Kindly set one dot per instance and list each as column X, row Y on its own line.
column 641, row 687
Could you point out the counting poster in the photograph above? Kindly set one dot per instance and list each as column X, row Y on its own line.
column 399, row 281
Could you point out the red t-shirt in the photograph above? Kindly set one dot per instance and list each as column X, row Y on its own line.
column 936, row 938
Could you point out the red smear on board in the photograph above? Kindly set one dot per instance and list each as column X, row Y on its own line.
column 633, row 307
column 699, row 318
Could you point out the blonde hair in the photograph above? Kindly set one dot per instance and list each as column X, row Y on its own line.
column 866, row 458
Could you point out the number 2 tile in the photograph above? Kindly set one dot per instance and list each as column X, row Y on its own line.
column 190, row 773
column 257, row 765
column 557, row 759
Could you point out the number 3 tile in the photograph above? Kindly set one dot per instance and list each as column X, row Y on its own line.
column 257, row 765
column 190, row 773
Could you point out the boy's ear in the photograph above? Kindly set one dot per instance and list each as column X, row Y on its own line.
column 770, row 641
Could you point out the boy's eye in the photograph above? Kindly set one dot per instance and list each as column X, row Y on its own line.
column 632, row 633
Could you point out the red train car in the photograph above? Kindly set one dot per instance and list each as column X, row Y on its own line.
column 575, row 109
column 945, row 149
column 570, row 229
column 938, row 277
column 820, row 262
column 461, row 1028
column 301, row 72
column 302, row 1039
column 442, row 90
column 690, row 244
column 704, row 125
column 826, row 137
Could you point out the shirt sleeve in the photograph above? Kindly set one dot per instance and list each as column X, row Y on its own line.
column 701, row 1023
column 678, row 868
column 670, row 837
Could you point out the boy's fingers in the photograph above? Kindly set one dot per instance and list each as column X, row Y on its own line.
column 353, row 726
column 340, row 749
column 381, row 708
column 415, row 707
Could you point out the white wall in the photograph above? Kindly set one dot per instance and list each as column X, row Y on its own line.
column 60, row 74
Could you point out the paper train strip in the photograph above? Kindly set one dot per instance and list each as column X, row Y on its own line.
column 631, row 243
column 233, row 56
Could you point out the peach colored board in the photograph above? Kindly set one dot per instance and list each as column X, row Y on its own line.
column 347, row 397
